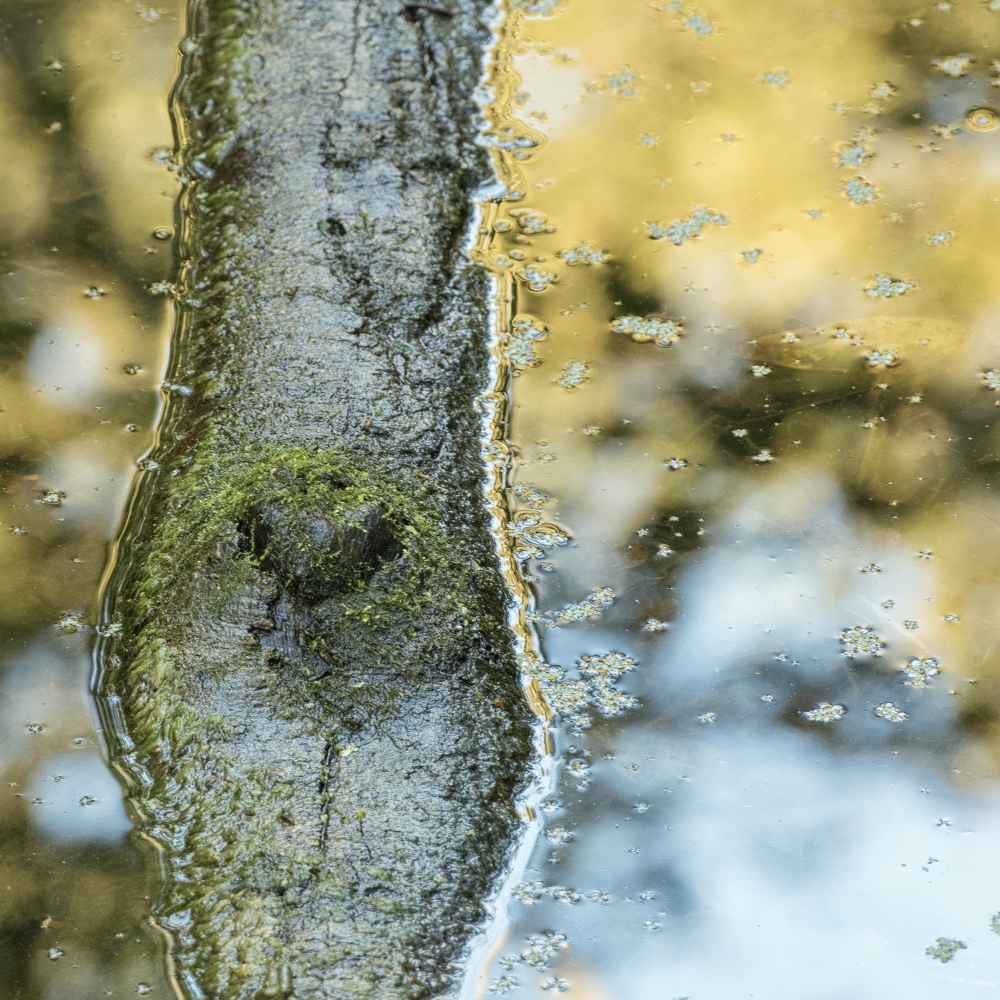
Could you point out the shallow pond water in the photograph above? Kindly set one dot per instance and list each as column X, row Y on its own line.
column 751, row 329
column 86, row 232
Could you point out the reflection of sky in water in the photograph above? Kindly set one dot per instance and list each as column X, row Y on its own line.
column 67, row 361
column 45, row 686
column 786, row 858
column 73, row 423
column 80, row 802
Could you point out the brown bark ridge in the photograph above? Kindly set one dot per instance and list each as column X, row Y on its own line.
column 323, row 710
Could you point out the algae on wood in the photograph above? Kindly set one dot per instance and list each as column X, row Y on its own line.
column 315, row 662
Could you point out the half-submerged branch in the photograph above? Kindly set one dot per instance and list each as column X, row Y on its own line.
column 317, row 673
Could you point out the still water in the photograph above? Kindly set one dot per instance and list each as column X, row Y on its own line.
column 751, row 328
column 86, row 232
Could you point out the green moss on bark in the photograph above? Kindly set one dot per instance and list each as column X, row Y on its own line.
column 315, row 665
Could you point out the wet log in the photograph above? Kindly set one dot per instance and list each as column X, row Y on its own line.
column 315, row 664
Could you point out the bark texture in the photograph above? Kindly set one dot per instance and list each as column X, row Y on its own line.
column 315, row 666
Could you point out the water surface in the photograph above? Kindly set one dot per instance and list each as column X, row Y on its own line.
column 86, row 232
column 753, row 340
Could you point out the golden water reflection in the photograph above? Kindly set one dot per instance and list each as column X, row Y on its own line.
column 83, row 110
column 808, row 197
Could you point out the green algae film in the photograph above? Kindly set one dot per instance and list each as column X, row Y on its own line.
column 753, row 357
column 86, row 229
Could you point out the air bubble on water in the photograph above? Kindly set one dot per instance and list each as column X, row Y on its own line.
column 504, row 985
column 871, row 568
column 752, row 256
column 982, row 119
column 55, row 953
column 527, row 494
column 575, row 373
column 537, row 278
column 623, row 83
column 888, row 711
column 529, row 892
column 162, row 233
column 52, row 498
column 663, row 550
column 764, row 455
column 94, row 292
column 531, row 536
column 555, row 983
column 777, row 78
column 881, row 91
column 853, row 154
column 919, row 670
column 860, row 191
column 882, row 286
column 654, row 625
column 70, row 623
column 558, row 835
column 825, row 712
column 908, row 624
column 35, row 727
column 860, row 639
column 759, row 371
column 946, row 131
column 888, row 604
column 767, row 697
column 951, row 618
column 131, row 369
column 698, row 24
column 992, row 379
column 674, row 464
column 953, row 66
column 583, row 253
column 885, row 359
column 686, row 229
column 148, row 464
column 519, row 346
column 925, row 554
column 648, row 329
column 707, row 718
column 151, row 15
column 944, row 949
column 541, row 947
column 538, row 8
column 18, row 530
column 162, row 288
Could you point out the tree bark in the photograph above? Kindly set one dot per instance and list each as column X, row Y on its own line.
column 315, row 664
